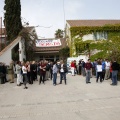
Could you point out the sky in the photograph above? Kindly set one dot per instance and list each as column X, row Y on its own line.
column 51, row 15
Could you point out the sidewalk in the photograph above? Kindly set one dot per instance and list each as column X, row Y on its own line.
column 74, row 101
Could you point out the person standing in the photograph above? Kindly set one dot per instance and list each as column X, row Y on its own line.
column 111, row 70
column 103, row 69
column 99, row 71
column 55, row 70
column 51, row 70
column 88, row 69
column 4, row 72
column 80, row 67
column 32, row 71
column 42, row 72
column 47, row 70
column 115, row 68
column 18, row 72
column 107, row 69
column 28, row 73
column 83, row 68
column 11, row 72
column 73, row 68
column 63, row 71
column 25, row 78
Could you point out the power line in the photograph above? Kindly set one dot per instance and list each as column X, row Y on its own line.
column 64, row 11
column 43, row 26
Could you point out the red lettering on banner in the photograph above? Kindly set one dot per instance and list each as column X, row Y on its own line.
column 57, row 43
column 42, row 44
column 47, row 44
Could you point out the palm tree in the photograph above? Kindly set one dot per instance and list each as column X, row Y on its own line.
column 59, row 33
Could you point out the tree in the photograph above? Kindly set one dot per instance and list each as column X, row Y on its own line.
column 64, row 52
column 29, row 42
column 12, row 19
column 113, row 47
column 59, row 33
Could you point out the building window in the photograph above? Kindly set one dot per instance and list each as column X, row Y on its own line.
column 100, row 35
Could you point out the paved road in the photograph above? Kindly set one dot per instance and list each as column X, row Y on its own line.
column 74, row 101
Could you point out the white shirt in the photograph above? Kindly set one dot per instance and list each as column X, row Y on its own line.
column 24, row 69
column 61, row 70
column 99, row 68
column 107, row 65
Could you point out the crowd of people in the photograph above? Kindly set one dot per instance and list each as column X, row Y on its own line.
column 27, row 72
column 100, row 68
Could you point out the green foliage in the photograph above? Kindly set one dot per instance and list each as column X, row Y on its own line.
column 107, row 47
column 12, row 19
column 59, row 33
column 87, row 30
column 64, row 52
column 114, row 46
column 99, row 45
column 101, row 54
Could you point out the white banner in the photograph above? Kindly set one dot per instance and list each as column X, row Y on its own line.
column 48, row 43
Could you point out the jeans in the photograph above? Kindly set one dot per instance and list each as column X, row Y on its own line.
column 99, row 74
column 88, row 75
column 73, row 70
column 25, row 79
column 107, row 74
column 42, row 77
column 62, row 76
column 54, row 78
column 114, row 77
column 103, row 74
column 83, row 71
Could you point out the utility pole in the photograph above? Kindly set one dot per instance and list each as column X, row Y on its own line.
column 5, row 39
column 0, row 34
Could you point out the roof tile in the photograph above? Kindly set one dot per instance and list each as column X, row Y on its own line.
column 78, row 23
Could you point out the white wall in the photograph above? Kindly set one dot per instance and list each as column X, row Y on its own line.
column 88, row 37
column 6, row 54
column 6, row 57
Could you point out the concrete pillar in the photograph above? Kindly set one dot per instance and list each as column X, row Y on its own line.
column 22, row 50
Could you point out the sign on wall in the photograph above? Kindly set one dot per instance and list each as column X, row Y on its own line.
column 48, row 43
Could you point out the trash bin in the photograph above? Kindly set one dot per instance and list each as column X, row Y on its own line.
column 2, row 78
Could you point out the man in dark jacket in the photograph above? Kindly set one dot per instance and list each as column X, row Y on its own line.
column 63, row 71
column 115, row 68
column 1, row 74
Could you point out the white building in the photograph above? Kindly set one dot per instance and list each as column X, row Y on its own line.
column 19, row 43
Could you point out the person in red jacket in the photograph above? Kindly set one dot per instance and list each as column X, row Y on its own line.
column 73, row 68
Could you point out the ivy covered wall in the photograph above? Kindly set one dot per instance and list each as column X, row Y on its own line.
column 79, row 46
